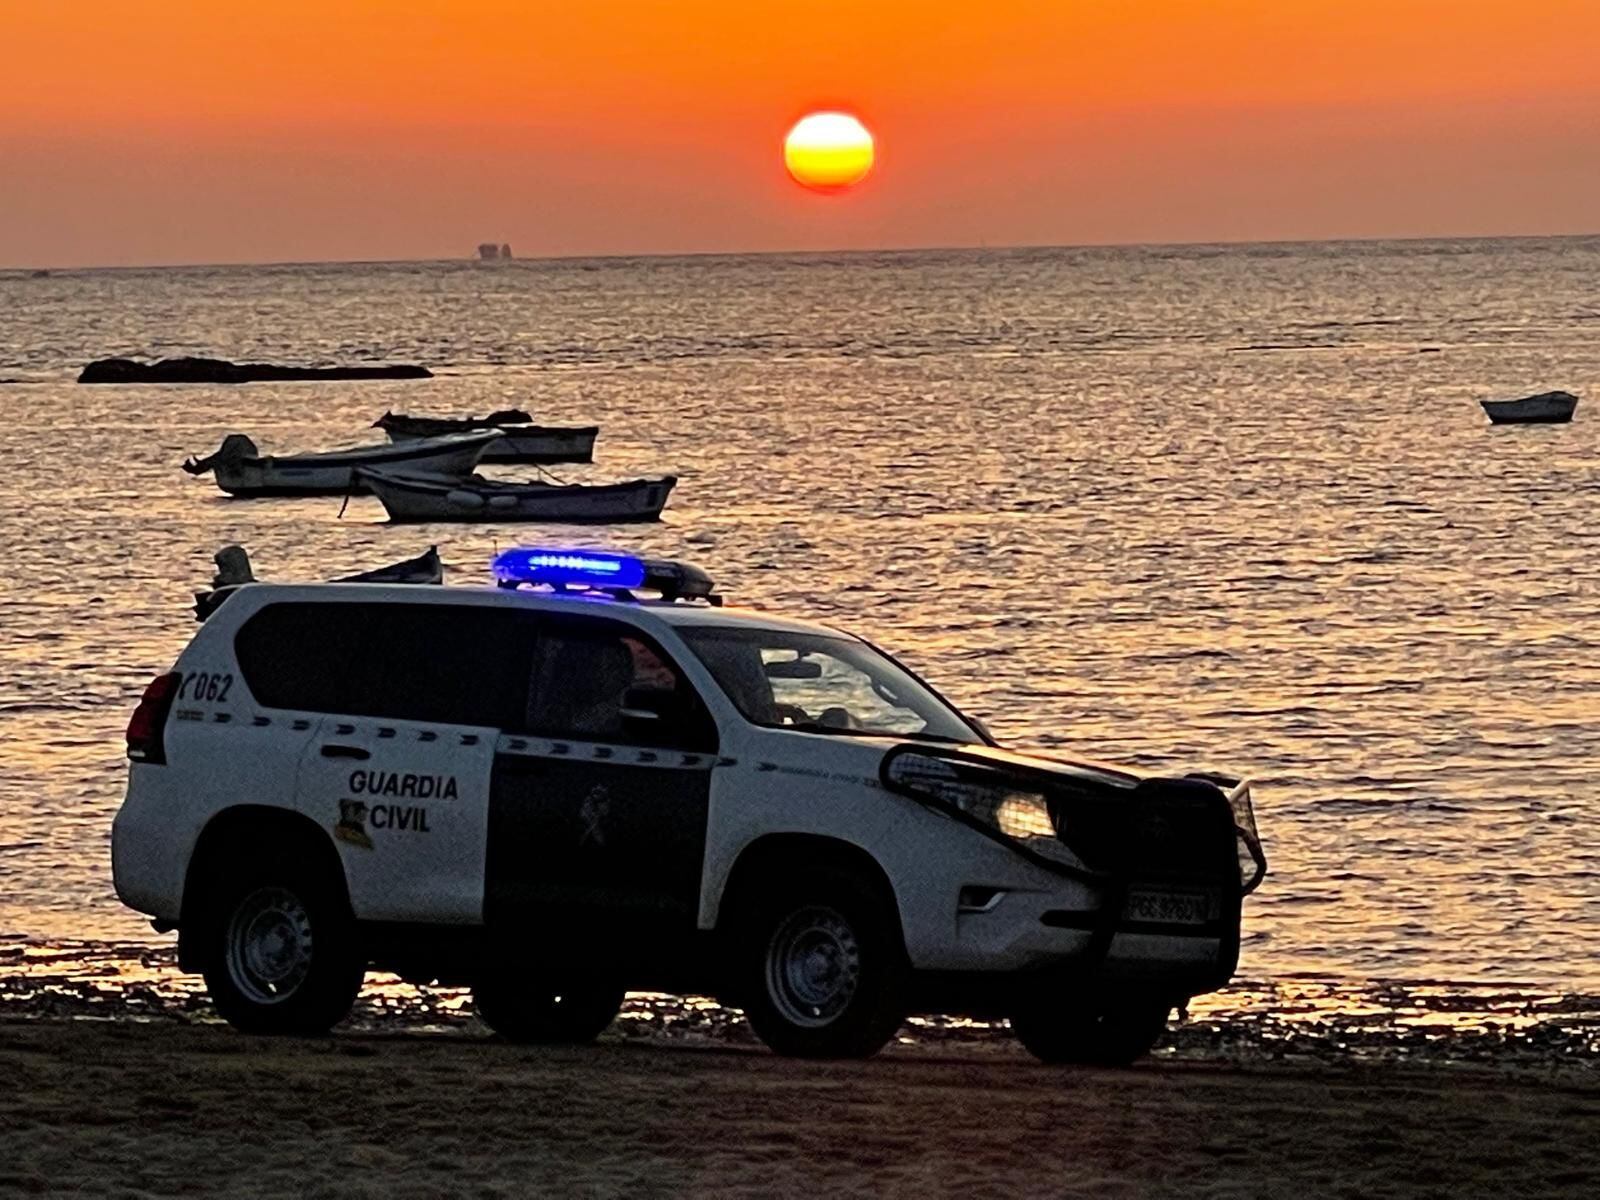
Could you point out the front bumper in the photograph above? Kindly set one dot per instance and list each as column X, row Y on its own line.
column 1163, row 864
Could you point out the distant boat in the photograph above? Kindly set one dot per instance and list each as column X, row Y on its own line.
column 494, row 251
column 418, row 496
column 234, row 571
column 520, row 441
column 241, row 470
column 1548, row 408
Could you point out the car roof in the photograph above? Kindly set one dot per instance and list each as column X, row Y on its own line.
column 705, row 616
column 643, row 613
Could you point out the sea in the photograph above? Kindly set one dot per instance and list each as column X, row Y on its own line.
column 1228, row 507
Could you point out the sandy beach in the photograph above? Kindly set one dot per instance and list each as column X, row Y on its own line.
column 152, row 1108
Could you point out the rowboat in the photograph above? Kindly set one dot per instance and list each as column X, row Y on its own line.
column 241, row 470
column 417, row 496
column 1547, row 408
column 520, row 440
column 234, row 571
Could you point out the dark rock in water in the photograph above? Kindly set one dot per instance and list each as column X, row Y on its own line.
column 216, row 370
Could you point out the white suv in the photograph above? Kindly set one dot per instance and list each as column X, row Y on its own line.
column 553, row 790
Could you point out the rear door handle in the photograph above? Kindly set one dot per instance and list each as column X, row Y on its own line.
column 333, row 751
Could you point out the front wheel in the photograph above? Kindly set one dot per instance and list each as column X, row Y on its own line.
column 1102, row 1032
column 824, row 972
column 524, row 1010
column 279, row 951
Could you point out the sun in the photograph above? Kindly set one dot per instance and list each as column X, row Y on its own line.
column 828, row 151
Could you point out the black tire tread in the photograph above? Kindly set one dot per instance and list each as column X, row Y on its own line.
column 524, row 1010
column 1107, row 1033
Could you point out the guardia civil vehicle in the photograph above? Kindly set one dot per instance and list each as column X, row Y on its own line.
column 591, row 777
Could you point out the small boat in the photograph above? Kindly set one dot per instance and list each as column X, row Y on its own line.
column 234, row 571
column 1548, row 408
column 425, row 568
column 241, row 470
column 415, row 496
column 520, row 441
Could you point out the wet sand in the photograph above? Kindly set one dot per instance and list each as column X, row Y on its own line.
column 154, row 1108
column 1504, row 1025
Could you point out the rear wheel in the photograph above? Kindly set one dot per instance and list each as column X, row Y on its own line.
column 278, row 947
column 525, row 1010
column 823, row 968
column 1105, row 1031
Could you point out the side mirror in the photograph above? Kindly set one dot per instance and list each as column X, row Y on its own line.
column 667, row 717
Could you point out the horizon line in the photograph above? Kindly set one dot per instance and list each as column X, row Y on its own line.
column 839, row 250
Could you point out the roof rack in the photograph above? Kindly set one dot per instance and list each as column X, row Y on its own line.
column 602, row 573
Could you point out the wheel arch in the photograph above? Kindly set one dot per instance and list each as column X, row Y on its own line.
column 777, row 854
column 252, row 828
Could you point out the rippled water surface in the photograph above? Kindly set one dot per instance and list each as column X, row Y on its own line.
column 1174, row 507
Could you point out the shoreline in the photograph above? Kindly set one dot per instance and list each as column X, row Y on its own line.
column 152, row 1107
column 1517, row 1028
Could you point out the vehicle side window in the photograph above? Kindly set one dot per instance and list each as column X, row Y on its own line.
column 448, row 664
column 600, row 681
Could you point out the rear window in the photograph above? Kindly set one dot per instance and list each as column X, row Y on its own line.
column 444, row 663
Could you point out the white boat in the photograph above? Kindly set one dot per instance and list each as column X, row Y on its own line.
column 416, row 496
column 241, row 470
column 1548, row 408
column 520, row 440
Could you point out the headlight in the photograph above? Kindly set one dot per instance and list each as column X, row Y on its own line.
column 1022, row 816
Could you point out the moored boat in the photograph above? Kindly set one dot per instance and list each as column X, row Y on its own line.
column 241, row 470
column 416, row 496
column 1547, row 408
column 234, row 571
column 520, row 441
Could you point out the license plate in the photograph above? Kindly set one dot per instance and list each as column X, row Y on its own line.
column 1168, row 908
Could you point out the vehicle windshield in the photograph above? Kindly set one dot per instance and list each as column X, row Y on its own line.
column 823, row 684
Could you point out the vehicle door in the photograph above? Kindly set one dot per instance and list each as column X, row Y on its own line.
column 598, row 809
column 398, row 768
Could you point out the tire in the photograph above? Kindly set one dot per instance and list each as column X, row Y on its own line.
column 278, row 946
column 822, row 967
column 1107, row 1031
column 521, row 1009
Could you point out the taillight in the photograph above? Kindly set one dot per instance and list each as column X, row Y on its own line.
column 148, row 725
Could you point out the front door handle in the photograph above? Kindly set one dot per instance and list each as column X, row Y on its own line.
column 331, row 750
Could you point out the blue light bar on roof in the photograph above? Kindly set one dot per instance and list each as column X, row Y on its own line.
column 568, row 568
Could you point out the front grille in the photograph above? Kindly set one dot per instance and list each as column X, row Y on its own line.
column 1164, row 829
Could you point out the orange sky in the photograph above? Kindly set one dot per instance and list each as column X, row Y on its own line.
column 144, row 131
